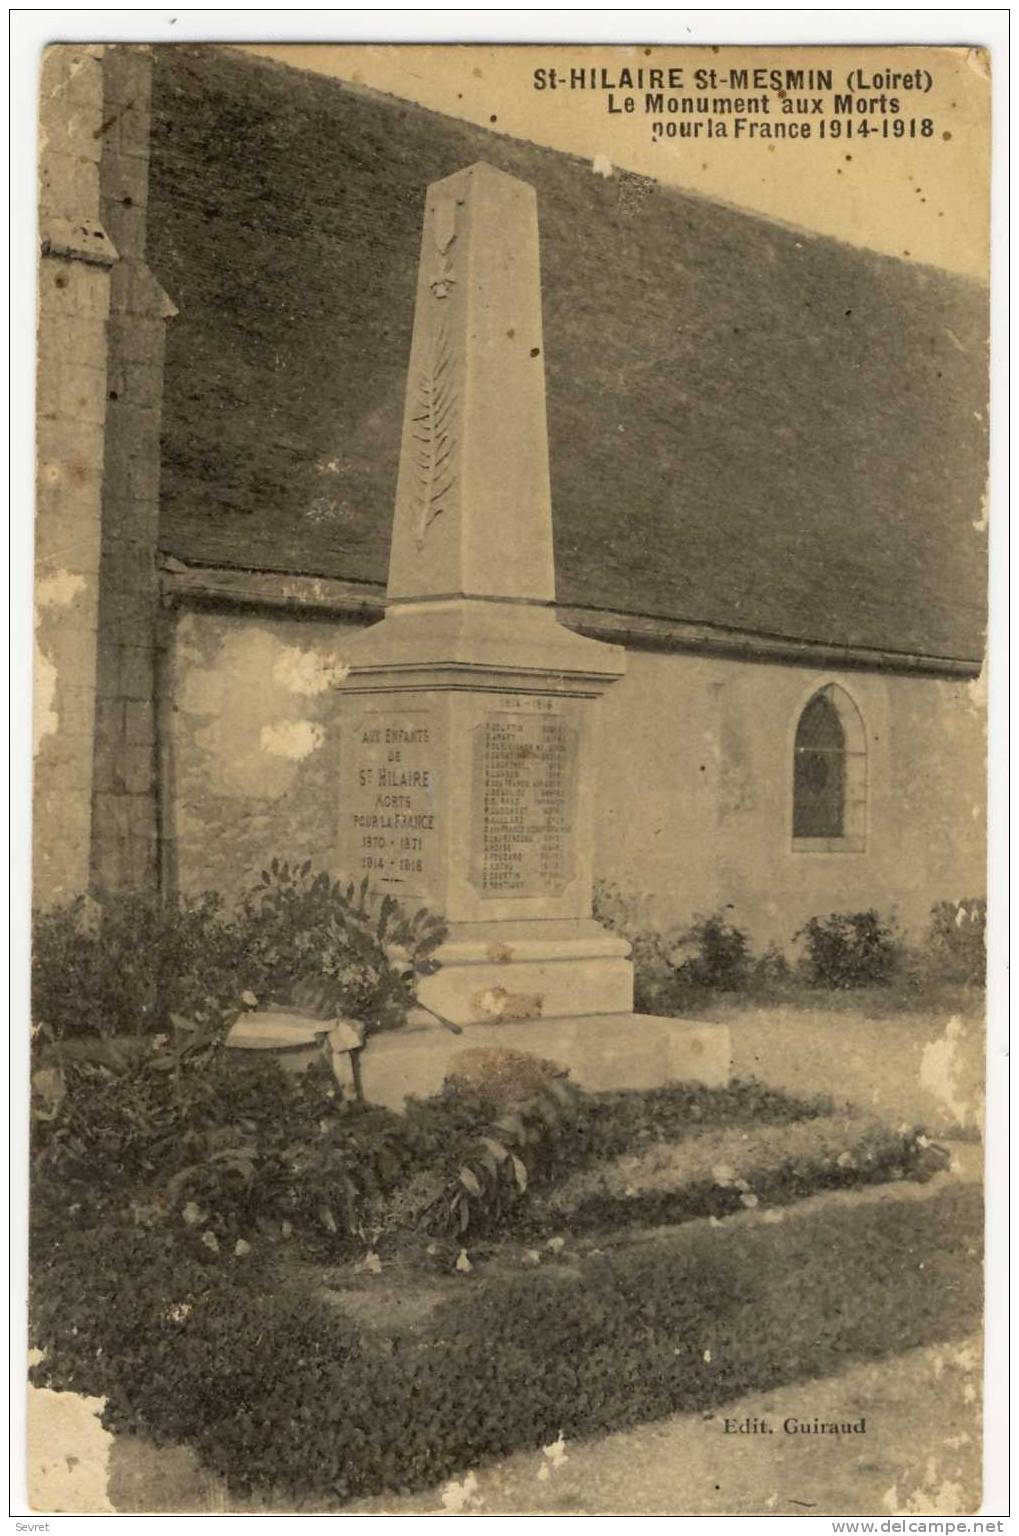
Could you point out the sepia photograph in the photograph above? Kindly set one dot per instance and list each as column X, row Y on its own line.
column 509, row 777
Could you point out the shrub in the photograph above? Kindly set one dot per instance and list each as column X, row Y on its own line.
column 718, row 953
column 123, row 965
column 279, row 1390
column 127, row 964
column 710, row 953
column 956, row 940
column 850, row 949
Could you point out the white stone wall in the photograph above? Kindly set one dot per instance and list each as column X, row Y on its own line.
column 695, row 784
column 250, row 749
column 696, row 794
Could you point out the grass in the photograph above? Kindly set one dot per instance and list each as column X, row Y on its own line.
column 904, row 995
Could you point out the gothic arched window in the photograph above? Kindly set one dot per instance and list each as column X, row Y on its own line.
column 829, row 772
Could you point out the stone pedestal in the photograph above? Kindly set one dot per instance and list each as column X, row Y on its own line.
column 469, row 716
column 467, row 774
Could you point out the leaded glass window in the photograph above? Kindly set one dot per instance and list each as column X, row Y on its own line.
column 819, row 771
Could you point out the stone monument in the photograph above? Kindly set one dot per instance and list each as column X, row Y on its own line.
column 469, row 715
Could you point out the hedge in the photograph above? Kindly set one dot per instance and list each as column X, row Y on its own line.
column 284, row 1394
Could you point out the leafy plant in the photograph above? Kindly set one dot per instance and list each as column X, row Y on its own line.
column 123, row 965
column 188, row 1134
column 493, row 1175
column 333, row 947
column 850, row 949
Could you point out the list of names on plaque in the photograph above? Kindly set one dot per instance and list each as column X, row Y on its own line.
column 389, row 810
column 525, row 769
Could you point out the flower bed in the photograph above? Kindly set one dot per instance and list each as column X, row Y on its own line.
column 174, row 1189
column 280, row 1393
column 192, row 1135
column 720, row 1171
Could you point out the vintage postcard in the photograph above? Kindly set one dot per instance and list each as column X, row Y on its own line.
column 509, row 869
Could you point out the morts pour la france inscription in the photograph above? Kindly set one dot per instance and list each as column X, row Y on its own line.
column 391, row 830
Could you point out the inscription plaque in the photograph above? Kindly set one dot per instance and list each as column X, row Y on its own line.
column 523, row 805
column 389, row 821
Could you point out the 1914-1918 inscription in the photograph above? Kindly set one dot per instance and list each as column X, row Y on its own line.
column 389, row 808
column 522, row 828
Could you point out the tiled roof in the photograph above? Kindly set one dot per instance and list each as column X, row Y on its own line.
column 750, row 426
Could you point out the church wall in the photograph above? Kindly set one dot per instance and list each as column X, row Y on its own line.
column 696, row 795
column 249, row 746
column 694, row 783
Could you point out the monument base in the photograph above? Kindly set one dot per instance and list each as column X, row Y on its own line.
column 602, row 1051
column 502, row 972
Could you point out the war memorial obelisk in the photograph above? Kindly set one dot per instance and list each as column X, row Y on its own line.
column 469, row 716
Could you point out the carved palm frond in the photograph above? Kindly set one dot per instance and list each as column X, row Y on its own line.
column 432, row 429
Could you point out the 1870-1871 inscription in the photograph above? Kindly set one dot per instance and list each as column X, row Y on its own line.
column 524, row 782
